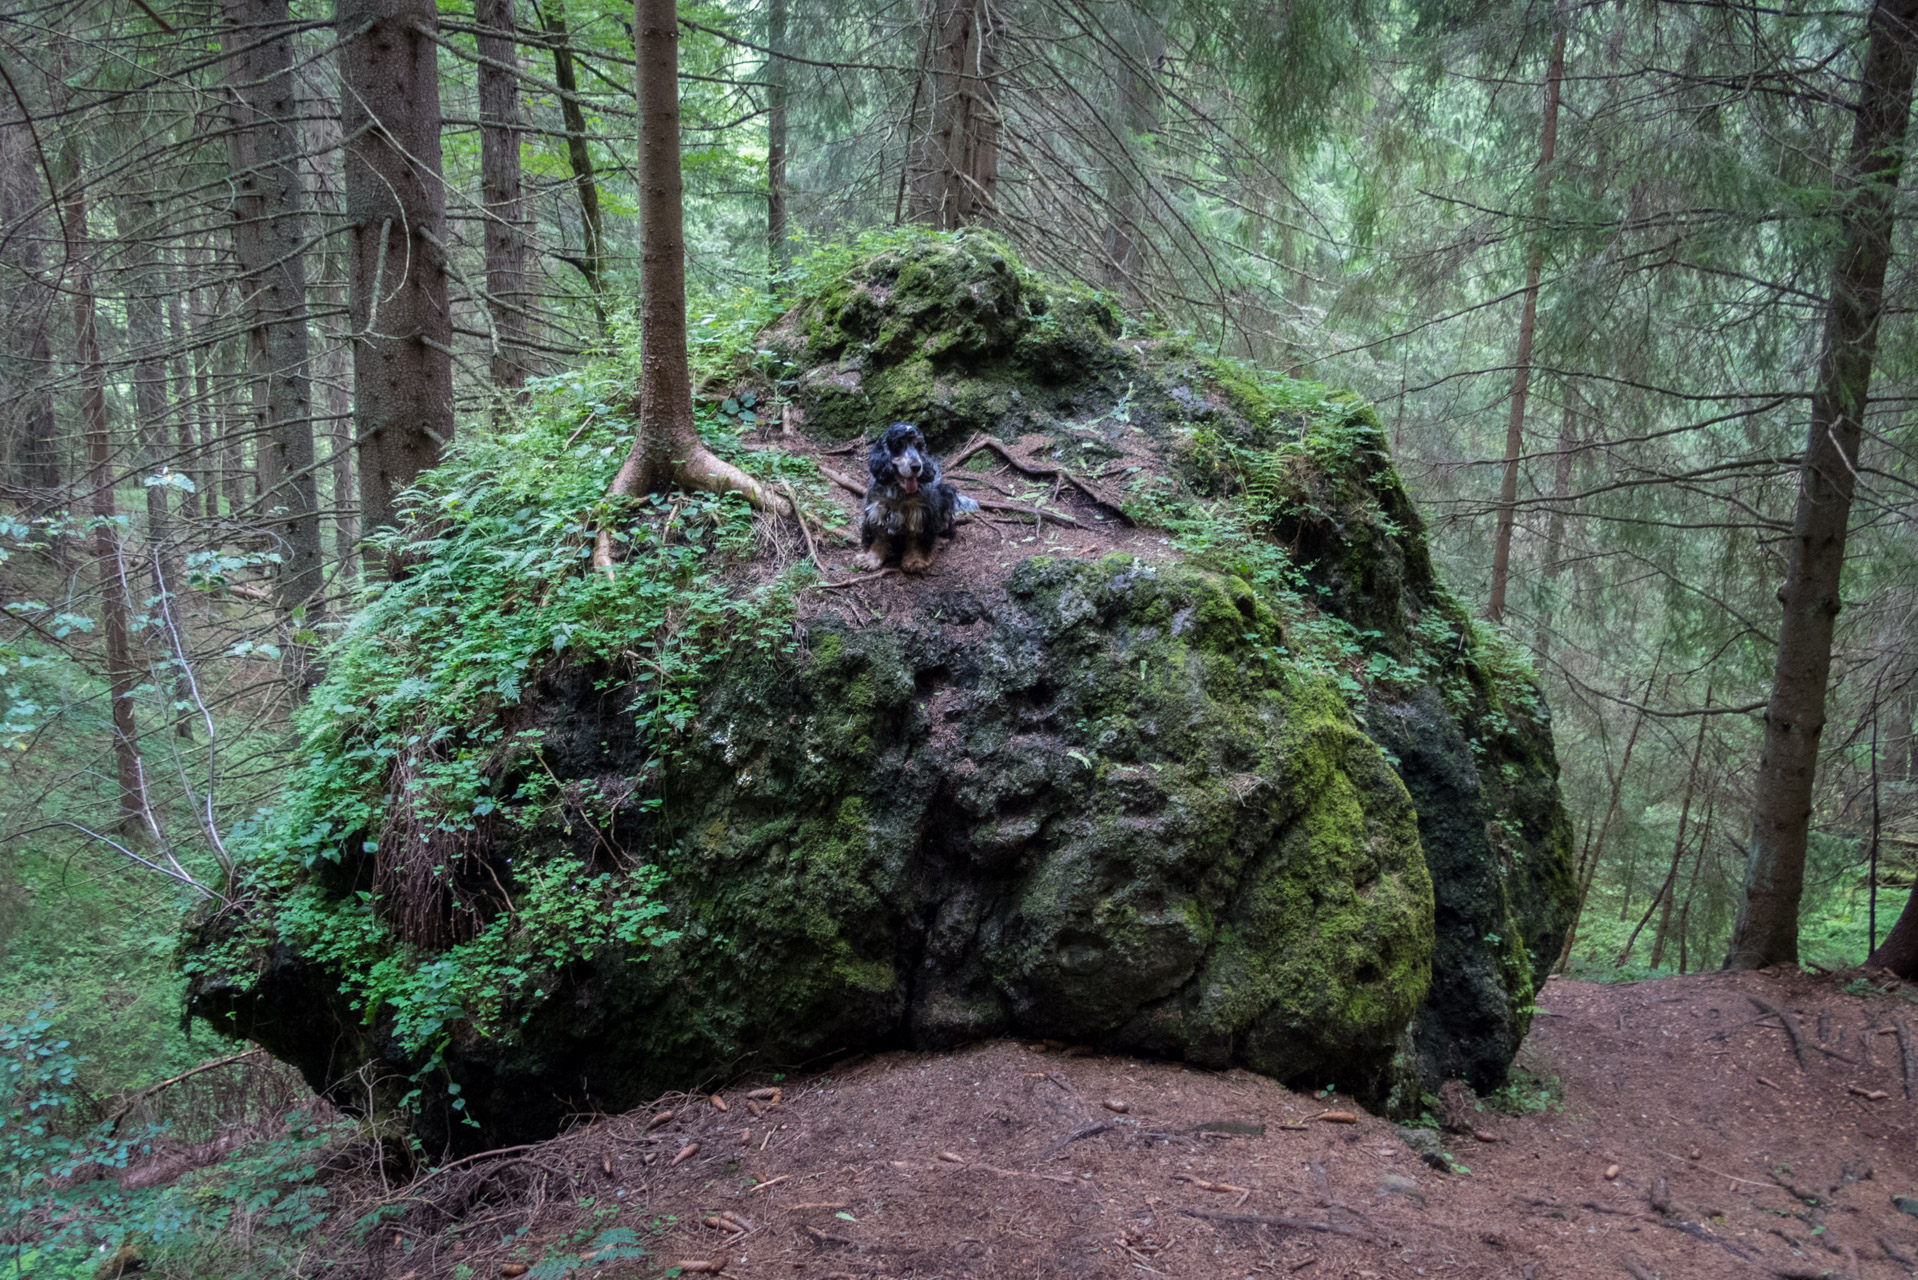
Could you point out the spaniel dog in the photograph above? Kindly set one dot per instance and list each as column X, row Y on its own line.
column 908, row 503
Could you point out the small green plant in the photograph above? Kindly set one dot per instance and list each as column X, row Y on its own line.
column 1525, row 1094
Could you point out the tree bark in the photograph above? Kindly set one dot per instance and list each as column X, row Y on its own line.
column 1527, row 328
column 1767, row 928
column 667, row 449
column 270, row 244
column 592, row 263
column 954, row 173
column 510, row 298
column 778, row 92
column 146, row 336
column 396, row 214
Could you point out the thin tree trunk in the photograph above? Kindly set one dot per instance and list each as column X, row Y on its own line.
column 1663, row 901
column 270, row 242
column 32, row 311
column 1604, row 827
column 592, row 262
column 181, row 342
column 1691, row 889
column 1527, row 327
column 396, row 214
column 778, row 251
column 1555, row 558
column 146, row 282
column 123, row 677
column 1136, row 58
column 510, row 299
column 1767, row 928
column 335, row 364
column 955, row 174
column 667, row 449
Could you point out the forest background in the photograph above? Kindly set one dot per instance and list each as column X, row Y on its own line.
column 1580, row 255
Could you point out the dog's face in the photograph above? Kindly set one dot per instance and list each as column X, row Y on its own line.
column 899, row 457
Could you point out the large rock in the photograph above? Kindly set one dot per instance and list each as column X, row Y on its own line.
column 1178, row 801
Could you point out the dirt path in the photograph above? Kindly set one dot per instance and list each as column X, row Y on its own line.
column 1003, row 1160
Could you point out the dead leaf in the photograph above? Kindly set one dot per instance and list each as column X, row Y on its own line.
column 514, row 1269
column 1337, row 1117
column 658, row 1120
column 686, row 1153
column 719, row 1103
column 1611, row 1171
column 1117, row 1105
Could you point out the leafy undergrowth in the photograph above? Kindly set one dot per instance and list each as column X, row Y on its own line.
column 405, row 741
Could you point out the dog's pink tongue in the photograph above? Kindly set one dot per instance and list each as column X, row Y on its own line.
column 909, row 483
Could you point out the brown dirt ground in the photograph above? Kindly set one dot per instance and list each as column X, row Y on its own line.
column 952, row 1165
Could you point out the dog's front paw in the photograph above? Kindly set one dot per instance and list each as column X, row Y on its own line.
column 915, row 561
column 866, row 561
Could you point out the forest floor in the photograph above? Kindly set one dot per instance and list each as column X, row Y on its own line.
column 1687, row 1139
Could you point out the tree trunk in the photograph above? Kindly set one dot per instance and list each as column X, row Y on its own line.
column 509, row 295
column 123, row 677
column 1767, row 928
column 270, row 244
column 1527, row 327
column 667, row 449
column 778, row 252
column 954, row 173
column 146, row 336
column 396, row 214
column 592, row 263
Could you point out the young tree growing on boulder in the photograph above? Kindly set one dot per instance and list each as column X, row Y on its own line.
column 1767, row 929
column 667, row 449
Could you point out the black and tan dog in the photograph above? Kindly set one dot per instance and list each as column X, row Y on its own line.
column 908, row 503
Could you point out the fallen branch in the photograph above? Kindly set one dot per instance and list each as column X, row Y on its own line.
column 992, row 504
column 1910, row 1053
column 864, row 577
column 1273, row 1220
column 812, row 551
column 844, row 482
column 1087, row 1130
column 1790, row 1024
column 1636, row 1269
column 113, row 1121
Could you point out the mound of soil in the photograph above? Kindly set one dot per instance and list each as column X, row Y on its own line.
column 1684, row 1138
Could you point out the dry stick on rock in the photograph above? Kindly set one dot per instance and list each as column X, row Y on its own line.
column 1042, row 473
column 1273, row 1220
column 1791, row 1028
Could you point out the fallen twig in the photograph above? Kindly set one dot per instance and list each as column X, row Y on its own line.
column 1273, row 1220
column 1790, row 1024
column 864, row 577
column 1636, row 1269
column 1087, row 1130
column 1910, row 1053
column 113, row 1121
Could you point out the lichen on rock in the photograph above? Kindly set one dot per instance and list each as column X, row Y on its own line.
column 1251, row 788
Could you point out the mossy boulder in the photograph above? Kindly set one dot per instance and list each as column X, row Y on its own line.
column 1254, row 790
